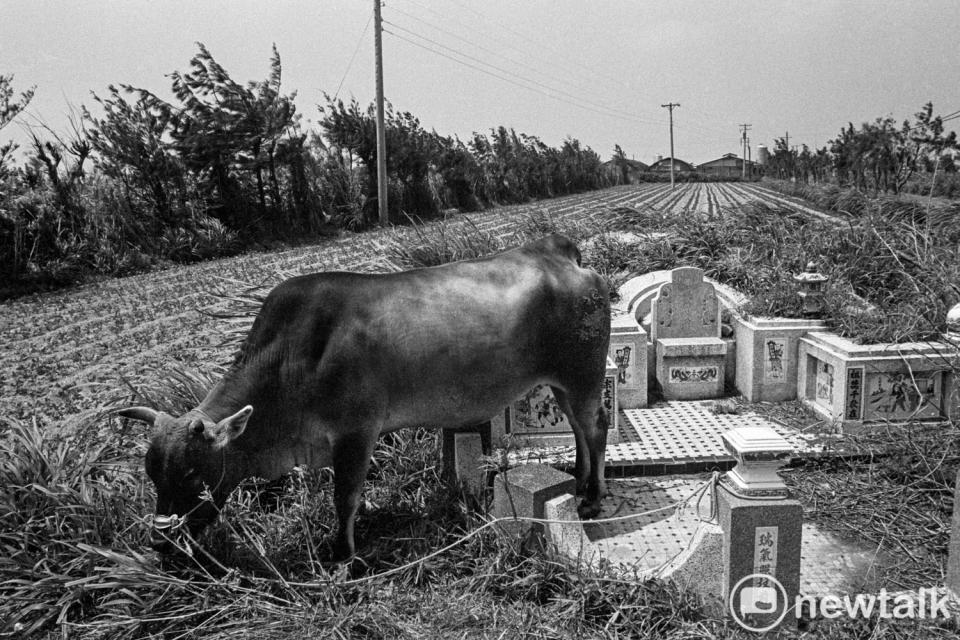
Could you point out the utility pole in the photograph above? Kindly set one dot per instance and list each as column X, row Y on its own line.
column 744, row 128
column 670, row 106
column 381, row 131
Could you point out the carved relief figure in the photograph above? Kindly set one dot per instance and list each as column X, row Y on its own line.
column 623, row 362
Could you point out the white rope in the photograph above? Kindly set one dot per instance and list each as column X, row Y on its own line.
column 699, row 493
column 676, row 505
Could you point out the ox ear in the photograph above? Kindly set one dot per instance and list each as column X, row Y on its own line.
column 230, row 428
column 143, row 414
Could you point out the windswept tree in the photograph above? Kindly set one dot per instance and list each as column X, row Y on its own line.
column 882, row 156
column 11, row 105
column 229, row 136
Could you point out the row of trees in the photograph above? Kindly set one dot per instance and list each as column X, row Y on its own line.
column 223, row 164
column 876, row 156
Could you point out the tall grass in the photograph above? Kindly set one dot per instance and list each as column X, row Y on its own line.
column 894, row 269
column 73, row 533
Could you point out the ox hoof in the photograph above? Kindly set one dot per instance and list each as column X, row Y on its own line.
column 588, row 510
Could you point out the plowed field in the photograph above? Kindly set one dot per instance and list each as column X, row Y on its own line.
column 62, row 354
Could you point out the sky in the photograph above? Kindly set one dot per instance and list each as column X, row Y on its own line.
column 594, row 70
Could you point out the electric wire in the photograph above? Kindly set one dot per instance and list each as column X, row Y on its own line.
column 354, row 56
column 486, row 49
column 516, row 79
column 592, row 76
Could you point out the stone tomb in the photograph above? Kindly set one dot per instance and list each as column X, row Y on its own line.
column 536, row 418
column 854, row 384
column 685, row 329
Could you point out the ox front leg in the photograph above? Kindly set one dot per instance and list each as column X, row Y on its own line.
column 351, row 459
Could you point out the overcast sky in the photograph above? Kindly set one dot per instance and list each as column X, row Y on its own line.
column 596, row 70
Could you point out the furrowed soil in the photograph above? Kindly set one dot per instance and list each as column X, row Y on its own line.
column 67, row 354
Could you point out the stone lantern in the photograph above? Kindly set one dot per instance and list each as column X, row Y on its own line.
column 760, row 452
column 812, row 285
column 953, row 322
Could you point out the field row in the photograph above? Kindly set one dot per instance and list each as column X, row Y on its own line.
column 65, row 352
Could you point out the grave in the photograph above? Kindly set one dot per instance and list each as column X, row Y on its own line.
column 685, row 329
column 537, row 420
column 851, row 384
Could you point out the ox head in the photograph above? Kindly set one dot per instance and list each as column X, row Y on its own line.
column 189, row 462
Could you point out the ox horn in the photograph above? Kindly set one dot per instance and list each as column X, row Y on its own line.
column 144, row 414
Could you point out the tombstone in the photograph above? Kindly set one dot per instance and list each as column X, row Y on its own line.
column 686, row 331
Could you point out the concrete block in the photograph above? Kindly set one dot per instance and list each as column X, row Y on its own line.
column 453, row 464
column 567, row 533
column 468, row 462
column 523, row 491
column 761, row 537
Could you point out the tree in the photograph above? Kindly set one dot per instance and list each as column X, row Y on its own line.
column 228, row 135
column 10, row 107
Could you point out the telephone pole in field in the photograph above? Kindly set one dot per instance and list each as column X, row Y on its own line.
column 670, row 106
column 743, row 129
column 381, row 132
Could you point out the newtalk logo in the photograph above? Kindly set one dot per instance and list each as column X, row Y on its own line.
column 758, row 602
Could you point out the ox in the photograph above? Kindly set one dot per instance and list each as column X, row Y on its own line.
column 335, row 359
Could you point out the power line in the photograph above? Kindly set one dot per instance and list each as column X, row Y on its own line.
column 500, row 77
column 580, row 102
column 353, row 57
column 527, row 36
column 592, row 74
column 462, row 39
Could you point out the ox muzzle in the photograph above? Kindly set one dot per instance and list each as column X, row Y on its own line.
column 165, row 531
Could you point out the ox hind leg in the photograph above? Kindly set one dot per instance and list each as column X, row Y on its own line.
column 590, row 422
column 351, row 460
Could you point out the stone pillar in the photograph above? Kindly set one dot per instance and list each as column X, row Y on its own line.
column 762, row 531
column 523, row 492
column 953, row 556
column 462, row 452
column 628, row 350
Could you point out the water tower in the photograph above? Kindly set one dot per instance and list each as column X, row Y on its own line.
column 763, row 155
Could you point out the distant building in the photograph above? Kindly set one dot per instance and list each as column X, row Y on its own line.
column 727, row 166
column 663, row 165
column 633, row 170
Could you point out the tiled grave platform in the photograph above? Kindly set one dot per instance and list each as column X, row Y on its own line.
column 828, row 564
column 671, row 437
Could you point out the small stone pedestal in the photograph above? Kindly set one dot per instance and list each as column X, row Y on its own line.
column 523, row 491
column 462, row 454
column 762, row 530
